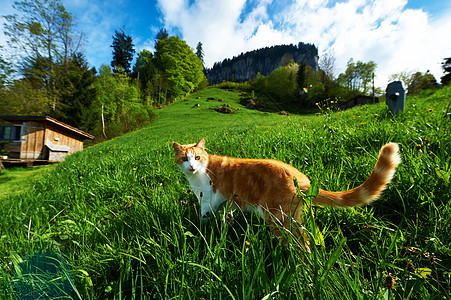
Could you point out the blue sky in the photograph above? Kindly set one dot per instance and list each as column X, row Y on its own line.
column 399, row 35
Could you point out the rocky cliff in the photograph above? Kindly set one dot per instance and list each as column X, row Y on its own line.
column 246, row 66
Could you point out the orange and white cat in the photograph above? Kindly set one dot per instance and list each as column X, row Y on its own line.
column 267, row 187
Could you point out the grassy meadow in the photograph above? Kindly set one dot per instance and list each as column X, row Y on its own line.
column 118, row 220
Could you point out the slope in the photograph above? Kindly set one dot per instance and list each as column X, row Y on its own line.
column 123, row 217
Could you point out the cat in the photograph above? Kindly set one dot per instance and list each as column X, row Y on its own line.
column 267, row 187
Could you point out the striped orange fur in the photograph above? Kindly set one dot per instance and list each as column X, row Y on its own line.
column 267, row 187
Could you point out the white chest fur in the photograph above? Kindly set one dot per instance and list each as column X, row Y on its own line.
column 201, row 185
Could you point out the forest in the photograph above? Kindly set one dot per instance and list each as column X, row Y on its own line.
column 43, row 71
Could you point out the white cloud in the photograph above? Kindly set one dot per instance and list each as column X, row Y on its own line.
column 385, row 31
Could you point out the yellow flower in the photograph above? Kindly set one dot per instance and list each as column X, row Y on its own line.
column 247, row 243
column 259, row 146
column 429, row 110
column 362, row 124
column 134, row 169
column 100, row 151
column 376, row 115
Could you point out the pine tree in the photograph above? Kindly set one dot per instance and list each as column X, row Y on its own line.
column 200, row 52
column 300, row 76
column 446, row 65
column 123, row 51
column 75, row 81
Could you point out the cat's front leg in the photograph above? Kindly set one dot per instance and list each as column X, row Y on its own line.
column 209, row 205
column 205, row 212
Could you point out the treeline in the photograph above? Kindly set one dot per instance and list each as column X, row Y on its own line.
column 44, row 71
column 299, row 86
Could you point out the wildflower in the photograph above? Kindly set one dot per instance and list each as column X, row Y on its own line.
column 418, row 145
column 259, row 146
column 100, row 151
column 390, row 281
column 134, row 169
column 410, row 267
column 376, row 115
column 247, row 243
column 227, row 133
column 429, row 110
column 361, row 124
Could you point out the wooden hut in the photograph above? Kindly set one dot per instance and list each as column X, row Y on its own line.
column 357, row 100
column 40, row 139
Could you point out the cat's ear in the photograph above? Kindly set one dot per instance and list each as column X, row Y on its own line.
column 201, row 144
column 177, row 147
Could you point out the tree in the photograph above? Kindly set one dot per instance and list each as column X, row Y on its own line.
column 327, row 63
column 117, row 107
column 182, row 69
column 404, row 76
column 5, row 71
column 144, row 71
column 75, row 83
column 162, row 34
column 200, row 52
column 42, row 34
column 300, row 76
column 420, row 81
column 358, row 76
column 446, row 65
column 21, row 98
column 123, row 51
column 105, row 104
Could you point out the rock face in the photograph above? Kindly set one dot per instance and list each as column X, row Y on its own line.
column 246, row 66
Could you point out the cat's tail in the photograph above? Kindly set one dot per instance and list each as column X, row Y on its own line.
column 372, row 188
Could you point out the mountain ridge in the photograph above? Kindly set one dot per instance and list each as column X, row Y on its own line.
column 265, row 60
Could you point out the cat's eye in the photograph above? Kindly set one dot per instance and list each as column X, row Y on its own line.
column 197, row 157
column 185, row 158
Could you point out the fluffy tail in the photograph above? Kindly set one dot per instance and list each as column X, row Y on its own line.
column 372, row 188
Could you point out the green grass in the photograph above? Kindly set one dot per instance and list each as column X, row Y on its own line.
column 119, row 220
column 15, row 181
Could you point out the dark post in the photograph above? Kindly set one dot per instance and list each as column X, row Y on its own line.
column 396, row 97
column 374, row 100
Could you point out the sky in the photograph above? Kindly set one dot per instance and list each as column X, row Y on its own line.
column 398, row 35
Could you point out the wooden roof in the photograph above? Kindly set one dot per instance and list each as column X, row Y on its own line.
column 49, row 119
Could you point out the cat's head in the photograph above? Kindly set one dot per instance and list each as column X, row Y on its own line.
column 192, row 158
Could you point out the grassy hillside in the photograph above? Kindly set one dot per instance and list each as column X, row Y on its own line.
column 118, row 220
